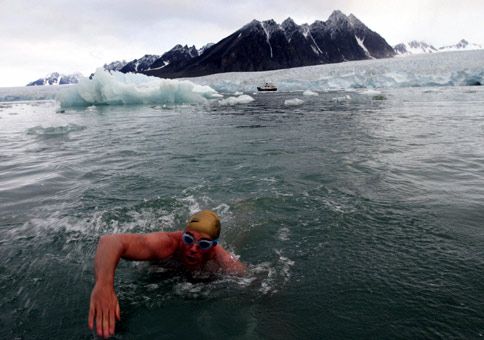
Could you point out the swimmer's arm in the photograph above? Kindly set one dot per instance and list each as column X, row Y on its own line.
column 104, row 306
column 134, row 247
column 229, row 263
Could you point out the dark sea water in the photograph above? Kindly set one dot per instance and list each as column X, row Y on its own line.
column 359, row 215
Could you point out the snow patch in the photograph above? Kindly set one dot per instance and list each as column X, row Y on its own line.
column 363, row 47
column 314, row 46
column 268, row 37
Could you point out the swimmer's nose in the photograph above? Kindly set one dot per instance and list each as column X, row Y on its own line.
column 194, row 247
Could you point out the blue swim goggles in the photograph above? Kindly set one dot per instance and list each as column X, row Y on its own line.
column 204, row 244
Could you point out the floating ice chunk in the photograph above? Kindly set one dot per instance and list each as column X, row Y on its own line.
column 293, row 102
column 115, row 88
column 370, row 92
column 341, row 99
column 310, row 93
column 204, row 90
column 238, row 93
column 242, row 99
column 216, row 96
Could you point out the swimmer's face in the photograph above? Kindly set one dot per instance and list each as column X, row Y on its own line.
column 192, row 246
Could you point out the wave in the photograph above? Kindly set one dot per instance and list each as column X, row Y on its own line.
column 115, row 88
column 54, row 131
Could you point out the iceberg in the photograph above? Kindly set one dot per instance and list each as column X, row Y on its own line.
column 116, row 88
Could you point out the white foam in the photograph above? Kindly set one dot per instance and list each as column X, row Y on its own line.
column 115, row 88
column 242, row 99
column 293, row 102
column 193, row 204
column 272, row 275
column 283, row 234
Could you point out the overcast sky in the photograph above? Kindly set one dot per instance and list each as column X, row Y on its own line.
column 38, row 37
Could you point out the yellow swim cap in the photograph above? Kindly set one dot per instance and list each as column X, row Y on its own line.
column 205, row 221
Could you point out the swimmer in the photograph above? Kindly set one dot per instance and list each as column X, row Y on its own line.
column 195, row 248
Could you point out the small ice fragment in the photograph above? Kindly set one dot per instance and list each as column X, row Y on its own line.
column 242, row 99
column 293, row 102
column 370, row 92
column 310, row 93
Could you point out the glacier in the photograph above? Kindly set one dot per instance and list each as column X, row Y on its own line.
column 443, row 69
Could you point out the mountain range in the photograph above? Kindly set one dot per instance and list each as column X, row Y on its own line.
column 421, row 47
column 56, row 78
column 267, row 45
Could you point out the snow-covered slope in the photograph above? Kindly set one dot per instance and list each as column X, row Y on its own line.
column 56, row 78
column 141, row 64
column 421, row 47
column 462, row 45
column 414, row 47
column 115, row 65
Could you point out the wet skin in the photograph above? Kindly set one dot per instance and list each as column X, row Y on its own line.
column 104, row 307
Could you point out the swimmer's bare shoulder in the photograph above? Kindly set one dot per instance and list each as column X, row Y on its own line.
column 151, row 246
column 227, row 262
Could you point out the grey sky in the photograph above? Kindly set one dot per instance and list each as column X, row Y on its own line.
column 39, row 37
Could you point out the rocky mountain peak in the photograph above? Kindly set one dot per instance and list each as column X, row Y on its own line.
column 462, row 43
column 56, row 78
column 355, row 22
column 268, row 45
column 288, row 24
column 338, row 18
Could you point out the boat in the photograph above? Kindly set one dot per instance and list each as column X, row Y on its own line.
column 267, row 87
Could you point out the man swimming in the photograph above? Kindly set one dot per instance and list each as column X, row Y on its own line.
column 195, row 249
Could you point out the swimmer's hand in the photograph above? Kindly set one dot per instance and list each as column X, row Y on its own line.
column 103, row 310
column 229, row 263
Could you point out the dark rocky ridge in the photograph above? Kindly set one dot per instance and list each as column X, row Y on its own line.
column 267, row 45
